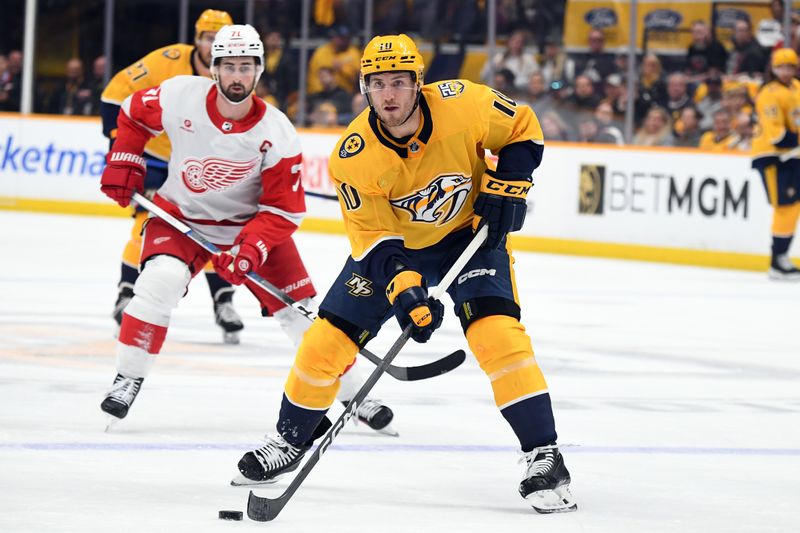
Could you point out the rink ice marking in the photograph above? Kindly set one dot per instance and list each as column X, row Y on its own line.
column 421, row 448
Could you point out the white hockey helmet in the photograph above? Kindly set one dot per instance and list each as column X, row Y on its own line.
column 237, row 40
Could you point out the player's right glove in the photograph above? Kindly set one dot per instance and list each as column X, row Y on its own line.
column 501, row 204
column 234, row 266
column 123, row 175
column 412, row 305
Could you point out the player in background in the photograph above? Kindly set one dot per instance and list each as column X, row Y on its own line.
column 412, row 180
column 153, row 69
column 778, row 109
column 234, row 177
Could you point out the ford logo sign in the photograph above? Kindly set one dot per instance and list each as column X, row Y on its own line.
column 601, row 17
column 663, row 19
column 726, row 18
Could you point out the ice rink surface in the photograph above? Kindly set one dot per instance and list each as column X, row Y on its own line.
column 676, row 393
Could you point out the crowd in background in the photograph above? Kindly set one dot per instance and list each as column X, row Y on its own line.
column 703, row 99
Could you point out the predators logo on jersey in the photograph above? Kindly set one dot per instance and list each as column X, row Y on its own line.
column 439, row 202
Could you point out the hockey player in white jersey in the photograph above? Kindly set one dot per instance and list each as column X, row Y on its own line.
column 234, row 177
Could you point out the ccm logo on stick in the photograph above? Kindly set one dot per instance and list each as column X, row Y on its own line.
column 475, row 273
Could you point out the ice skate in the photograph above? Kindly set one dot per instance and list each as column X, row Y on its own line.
column 229, row 320
column 376, row 415
column 268, row 463
column 782, row 269
column 546, row 482
column 120, row 398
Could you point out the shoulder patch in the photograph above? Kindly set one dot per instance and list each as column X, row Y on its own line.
column 352, row 145
column 172, row 53
column 450, row 89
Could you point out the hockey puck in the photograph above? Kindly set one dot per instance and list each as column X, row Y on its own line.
column 230, row 515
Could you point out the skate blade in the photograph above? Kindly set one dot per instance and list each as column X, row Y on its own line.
column 230, row 337
column 558, row 500
column 389, row 431
column 775, row 275
column 241, row 481
column 111, row 421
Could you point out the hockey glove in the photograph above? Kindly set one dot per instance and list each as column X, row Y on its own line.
column 501, row 204
column 123, row 175
column 412, row 305
column 234, row 266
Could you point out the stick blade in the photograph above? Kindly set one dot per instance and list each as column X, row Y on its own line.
column 263, row 509
column 436, row 368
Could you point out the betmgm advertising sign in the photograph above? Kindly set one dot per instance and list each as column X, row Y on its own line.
column 668, row 22
column 664, row 198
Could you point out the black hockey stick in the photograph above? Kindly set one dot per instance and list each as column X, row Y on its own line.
column 402, row 373
column 322, row 195
column 266, row 509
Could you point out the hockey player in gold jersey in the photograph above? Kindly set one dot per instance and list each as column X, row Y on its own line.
column 413, row 180
column 153, row 69
column 778, row 108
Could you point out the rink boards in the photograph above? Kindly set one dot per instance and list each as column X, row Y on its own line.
column 671, row 205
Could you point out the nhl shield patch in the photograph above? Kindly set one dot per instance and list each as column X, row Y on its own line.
column 351, row 146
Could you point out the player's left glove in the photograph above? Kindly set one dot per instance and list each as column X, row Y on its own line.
column 234, row 266
column 412, row 305
column 501, row 204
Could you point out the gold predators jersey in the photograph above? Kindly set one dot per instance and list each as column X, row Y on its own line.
column 424, row 189
column 778, row 108
column 153, row 69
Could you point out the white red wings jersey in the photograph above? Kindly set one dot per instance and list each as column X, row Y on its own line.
column 225, row 176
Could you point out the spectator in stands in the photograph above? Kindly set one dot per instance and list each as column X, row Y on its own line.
column 324, row 116
column 743, row 126
column 609, row 131
column 677, row 96
column 97, row 83
column 553, row 127
column 615, row 92
column 358, row 103
column 280, row 70
column 597, row 64
column 721, row 137
column 656, row 129
column 330, row 92
column 769, row 33
column 4, row 78
column 652, row 88
column 583, row 100
column 735, row 98
column 521, row 63
column 708, row 98
column 12, row 86
column 747, row 56
column 555, row 64
column 263, row 92
column 73, row 96
column 536, row 96
column 689, row 134
column 504, row 82
column 339, row 55
column 704, row 53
